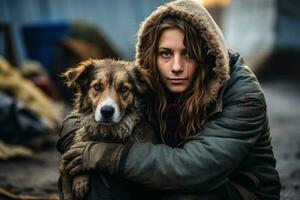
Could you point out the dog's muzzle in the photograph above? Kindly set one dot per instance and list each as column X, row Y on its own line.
column 107, row 112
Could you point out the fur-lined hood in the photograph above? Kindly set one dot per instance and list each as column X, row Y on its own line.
column 198, row 16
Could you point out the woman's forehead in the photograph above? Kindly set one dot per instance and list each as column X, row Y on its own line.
column 172, row 38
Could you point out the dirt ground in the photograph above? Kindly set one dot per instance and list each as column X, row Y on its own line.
column 284, row 114
column 32, row 179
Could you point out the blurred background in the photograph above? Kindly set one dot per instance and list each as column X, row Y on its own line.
column 39, row 39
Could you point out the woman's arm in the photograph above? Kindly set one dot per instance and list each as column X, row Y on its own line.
column 202, row 163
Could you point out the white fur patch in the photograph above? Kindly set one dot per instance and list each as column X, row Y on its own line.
column 108, row 102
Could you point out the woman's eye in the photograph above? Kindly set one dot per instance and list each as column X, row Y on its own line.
column 123, row 89
column 165, row 54
column 188, row 55
column 97, row 87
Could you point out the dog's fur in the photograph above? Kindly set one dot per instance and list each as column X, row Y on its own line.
column 108, row 98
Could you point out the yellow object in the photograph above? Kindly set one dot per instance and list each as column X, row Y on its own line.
column 213, row 3
column 26, row 92
column 10, row 151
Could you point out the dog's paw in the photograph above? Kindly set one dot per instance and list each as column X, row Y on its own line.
column 80, row 186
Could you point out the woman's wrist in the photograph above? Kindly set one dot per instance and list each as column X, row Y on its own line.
column 112, row 159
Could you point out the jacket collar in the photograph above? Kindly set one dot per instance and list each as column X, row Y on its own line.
column 217, row 106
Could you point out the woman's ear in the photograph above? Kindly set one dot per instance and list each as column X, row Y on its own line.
column 76, row 76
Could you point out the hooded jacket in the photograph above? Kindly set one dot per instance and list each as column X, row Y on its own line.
column 235, row 145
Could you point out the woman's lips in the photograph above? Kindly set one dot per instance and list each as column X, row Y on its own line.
column 177, row 80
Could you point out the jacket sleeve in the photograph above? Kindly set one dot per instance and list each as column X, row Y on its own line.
column 205, row 162
column 70, row 124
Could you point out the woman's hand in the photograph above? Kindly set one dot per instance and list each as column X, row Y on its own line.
column 86, row 156
column 83, row 156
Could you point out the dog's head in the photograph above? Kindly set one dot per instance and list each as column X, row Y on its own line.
column 107, row 88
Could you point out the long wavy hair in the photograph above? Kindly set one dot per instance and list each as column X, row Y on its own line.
column 192, row 107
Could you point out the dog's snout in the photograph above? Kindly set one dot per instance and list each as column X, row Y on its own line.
column 107, row 111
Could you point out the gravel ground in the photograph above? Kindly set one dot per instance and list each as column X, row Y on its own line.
column 284, row 116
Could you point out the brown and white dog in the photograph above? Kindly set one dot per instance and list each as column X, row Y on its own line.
column 108, row 95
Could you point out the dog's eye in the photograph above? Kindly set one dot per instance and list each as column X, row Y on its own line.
column 123, row 89
column 97, row 87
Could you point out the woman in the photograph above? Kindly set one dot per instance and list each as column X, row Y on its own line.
column 209, row 111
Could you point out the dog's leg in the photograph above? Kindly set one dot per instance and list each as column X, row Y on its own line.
column 81, row 186
column 66, row 187
column 65, row 183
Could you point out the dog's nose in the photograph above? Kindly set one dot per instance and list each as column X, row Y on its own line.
column 107, row 111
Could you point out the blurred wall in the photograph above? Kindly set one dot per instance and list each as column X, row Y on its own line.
column 265, row 32
column 249, row 28
column 117, row 19
column 288, row 25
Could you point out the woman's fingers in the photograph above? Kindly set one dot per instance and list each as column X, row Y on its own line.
column 75, row 170
column 74, row 150
column 70, row 154
column 79, row 145
column 76, row 161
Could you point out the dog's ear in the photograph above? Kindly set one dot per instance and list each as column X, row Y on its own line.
column 79, row 76
column 142, row 79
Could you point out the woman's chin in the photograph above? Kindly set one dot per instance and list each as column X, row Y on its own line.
column 177, row 88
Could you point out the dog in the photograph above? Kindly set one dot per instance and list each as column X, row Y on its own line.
column 108, row 98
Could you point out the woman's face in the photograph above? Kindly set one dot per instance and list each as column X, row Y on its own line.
column 175, row 65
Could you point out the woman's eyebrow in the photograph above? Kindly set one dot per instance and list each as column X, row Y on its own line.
column 169, row 49
column 164, row 48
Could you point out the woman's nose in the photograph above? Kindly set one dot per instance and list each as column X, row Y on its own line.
column 177, row 64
